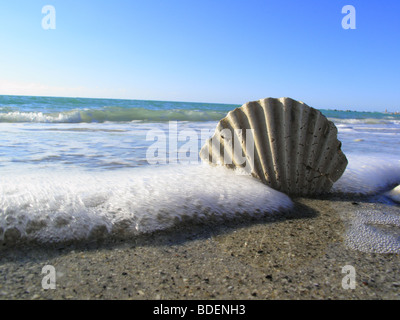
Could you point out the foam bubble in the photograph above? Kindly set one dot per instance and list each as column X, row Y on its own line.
column 374, row 231
column 53, row 207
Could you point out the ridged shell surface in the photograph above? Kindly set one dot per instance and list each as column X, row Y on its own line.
column 288, row 145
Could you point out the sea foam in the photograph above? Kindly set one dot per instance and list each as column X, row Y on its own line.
column 375, row 231
column 368, row 175
column 62, row 206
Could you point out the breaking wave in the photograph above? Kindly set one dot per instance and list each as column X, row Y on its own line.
column 111, row 114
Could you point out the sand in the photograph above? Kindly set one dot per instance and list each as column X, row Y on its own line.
column 298, row 255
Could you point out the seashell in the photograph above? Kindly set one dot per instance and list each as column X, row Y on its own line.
column 288, row 145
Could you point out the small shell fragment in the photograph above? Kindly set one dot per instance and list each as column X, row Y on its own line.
column 394, row 194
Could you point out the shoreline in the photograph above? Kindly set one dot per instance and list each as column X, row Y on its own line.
column 297, row 255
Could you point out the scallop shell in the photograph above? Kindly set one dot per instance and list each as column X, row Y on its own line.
column 289, row 146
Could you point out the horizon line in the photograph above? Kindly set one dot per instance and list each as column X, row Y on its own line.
column 180, row 101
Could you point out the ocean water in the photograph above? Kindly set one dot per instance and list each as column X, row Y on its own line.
column 72, row 168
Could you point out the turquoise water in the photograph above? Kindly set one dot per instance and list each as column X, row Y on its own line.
column 75, row 110
column 104, row 134
column 92, row 164
column 15, row 109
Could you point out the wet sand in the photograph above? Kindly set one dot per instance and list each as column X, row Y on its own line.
column 297, row 255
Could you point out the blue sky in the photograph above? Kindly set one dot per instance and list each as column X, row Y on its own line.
column 227, row 51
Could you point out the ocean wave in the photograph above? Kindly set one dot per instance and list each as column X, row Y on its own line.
column 120, row 114
column 112, row 114
column 373, row 121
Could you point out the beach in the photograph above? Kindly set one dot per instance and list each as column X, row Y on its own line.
column 297, row 255
column 171, row 151
column 111, row 196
